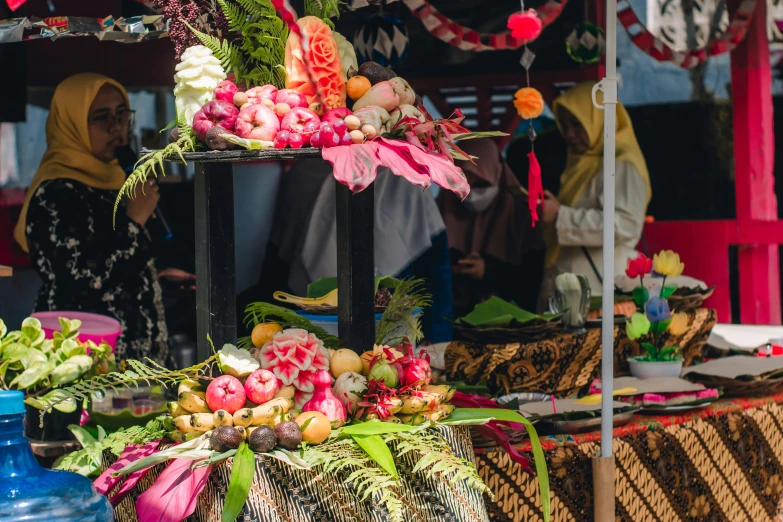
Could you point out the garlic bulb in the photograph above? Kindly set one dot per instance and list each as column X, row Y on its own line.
column 198, row 74
column 347, row 53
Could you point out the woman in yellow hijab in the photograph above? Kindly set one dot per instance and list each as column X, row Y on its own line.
column 66, row 221
column 574, row 220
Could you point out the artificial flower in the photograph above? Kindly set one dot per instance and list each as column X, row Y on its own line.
column 667, row 263
column 657, row 310
column 638, row 266
column 637, row 326
column 529, row 103
column 526, row 25
column 679, row 324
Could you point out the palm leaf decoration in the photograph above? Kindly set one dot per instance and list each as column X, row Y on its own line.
column 398, row 320
column 256, row 313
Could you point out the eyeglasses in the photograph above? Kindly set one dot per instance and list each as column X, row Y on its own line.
column 107, row 120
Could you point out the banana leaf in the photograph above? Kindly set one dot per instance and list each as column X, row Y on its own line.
column 498, row 313
column 325, row 285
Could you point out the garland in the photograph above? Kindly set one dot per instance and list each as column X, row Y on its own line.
column 657, row 49
column 468, row 39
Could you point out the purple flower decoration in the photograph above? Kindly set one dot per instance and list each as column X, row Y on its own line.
column 657, row 310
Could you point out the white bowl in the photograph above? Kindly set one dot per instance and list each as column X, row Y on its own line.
column 647, row 369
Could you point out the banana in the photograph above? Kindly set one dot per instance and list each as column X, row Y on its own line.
column 412, row 404
column 168, row 422
column 243, row 417
column 286, row 403
column 283, row 417
column 178, row 436
column 222, row 418
column 294, row 414
column 264, row 415
column 248, row 431
column 202, row 421
column 182, row 423
column 189, row 385
column 418, row 418
column 432, row 399
column 285, row 391
column 242, row 431
column 443, row 411
column 370, row 417
column 392, row 419
column 442, row 389
column 194, row 402
column 175, row 409
column 396, row 405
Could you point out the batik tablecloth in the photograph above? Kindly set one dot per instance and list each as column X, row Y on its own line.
column 563, row 363
column 282, row 493
column 721, row 463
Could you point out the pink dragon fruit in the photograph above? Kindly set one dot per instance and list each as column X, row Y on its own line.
column 324, row 400
column 416, row 372
column 295, row 356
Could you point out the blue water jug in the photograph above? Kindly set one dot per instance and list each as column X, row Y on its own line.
column 29, row 492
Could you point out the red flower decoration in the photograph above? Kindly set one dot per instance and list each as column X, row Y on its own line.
column 638, row 266
column 525, row 25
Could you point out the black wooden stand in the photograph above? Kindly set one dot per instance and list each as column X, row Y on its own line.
column 216, row 282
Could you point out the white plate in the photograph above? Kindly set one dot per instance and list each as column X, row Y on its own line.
column 667, row 409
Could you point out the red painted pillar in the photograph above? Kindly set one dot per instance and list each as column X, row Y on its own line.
column 754, row 144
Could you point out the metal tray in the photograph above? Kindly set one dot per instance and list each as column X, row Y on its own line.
column 584, row 425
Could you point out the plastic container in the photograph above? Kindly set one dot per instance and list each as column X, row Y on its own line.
column 95, row 327
column 30, row 493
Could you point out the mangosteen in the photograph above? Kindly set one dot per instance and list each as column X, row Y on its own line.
column 375, row 72
column 263, row 439
column 225, row 438
column 174, row 135
column 289, row 434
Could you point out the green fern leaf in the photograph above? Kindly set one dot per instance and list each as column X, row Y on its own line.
column 258, row 8
column 236, row 16
column 229, row 55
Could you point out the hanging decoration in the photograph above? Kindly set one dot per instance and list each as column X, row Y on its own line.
column 586, row 44
column 382, row 39
column 529, row 105
column 13, row 5
column 655, row 48
column 468, row 39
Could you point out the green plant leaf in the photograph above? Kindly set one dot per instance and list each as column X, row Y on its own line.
column 15, row 352
column 481, row 134
column 668, row 352
column 376, row 428
column 640, row 296
column 652, row 351
column 31, row 376
column 541, row 472
column 34, row 357
column 242, row 472
column 3, row 329
column 66, row 373
column 378, row 451
column 482, row 415
column 82, row 435
column 659, row 327
column 668, row 290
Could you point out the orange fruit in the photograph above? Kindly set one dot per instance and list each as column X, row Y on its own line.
column 263, row 333
column 357, row 86
column 317, row 430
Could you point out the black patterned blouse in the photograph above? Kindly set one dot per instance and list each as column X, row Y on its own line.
column 88, row 266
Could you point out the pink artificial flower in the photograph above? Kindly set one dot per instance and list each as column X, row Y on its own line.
column 525, row 25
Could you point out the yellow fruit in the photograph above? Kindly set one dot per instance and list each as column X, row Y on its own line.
column 263, row 333
column 357, row 87
column 344, row 361
column 285, row 391
column 317, row 430
column 366, row 360
column 194, row 402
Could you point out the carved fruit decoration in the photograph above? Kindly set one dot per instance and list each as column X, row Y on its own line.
column 295, row 356
column 324, row 400
column 198, row 75
column 323, row 58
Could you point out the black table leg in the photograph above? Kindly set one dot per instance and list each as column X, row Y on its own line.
column 216, row 311
column 356, row 267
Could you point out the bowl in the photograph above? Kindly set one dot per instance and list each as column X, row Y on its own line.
column 95, row 327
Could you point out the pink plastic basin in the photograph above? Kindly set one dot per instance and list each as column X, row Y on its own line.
column 95, row 327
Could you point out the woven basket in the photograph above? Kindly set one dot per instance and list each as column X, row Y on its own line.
column 691, row 301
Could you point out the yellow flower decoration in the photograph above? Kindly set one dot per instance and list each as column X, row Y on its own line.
column 679, row 324
column 667, row 263
column 637, row 326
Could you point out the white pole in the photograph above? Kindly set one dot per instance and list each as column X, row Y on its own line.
column 609, row 87
column 603, row 466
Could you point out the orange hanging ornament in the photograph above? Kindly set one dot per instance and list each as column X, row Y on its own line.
column 529, row 103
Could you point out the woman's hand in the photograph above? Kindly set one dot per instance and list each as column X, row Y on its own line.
column 179, row 278
column 143, row 205
column 551, row 208
column 473, row 266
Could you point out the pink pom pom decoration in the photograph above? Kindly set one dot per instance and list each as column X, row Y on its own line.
column 525, row 25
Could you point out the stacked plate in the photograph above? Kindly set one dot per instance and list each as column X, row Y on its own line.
column 740, row 376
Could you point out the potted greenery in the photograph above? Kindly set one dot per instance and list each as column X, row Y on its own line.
column 655, row 318
column 39, row 367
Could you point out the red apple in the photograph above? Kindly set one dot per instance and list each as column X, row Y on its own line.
column 296, row 119
column 225, row 91
column 257, row 122
column 261, row 386
column 216, row 112
column 338, row 113
column 291, row 97
column 259, row 94
column 226, row 393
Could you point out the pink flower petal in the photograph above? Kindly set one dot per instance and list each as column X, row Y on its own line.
column 286, row 372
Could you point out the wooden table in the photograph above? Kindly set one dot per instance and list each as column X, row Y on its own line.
column 46, row 452
column 216, row 311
